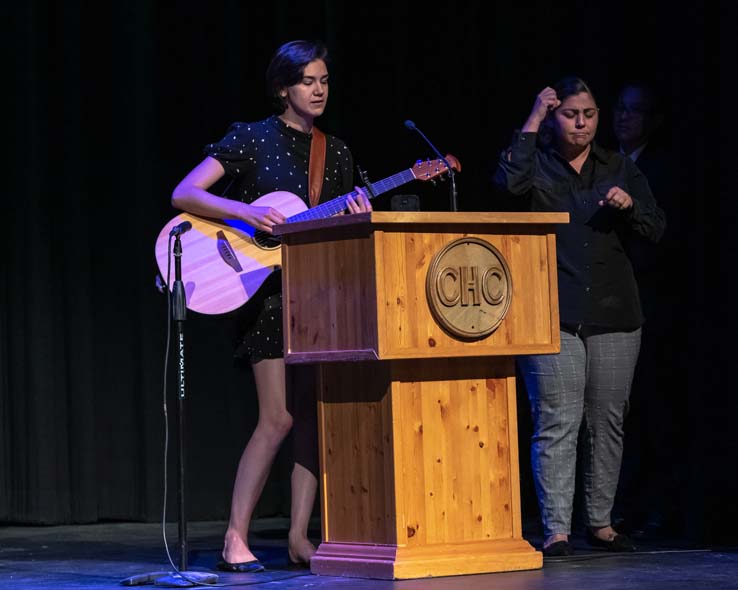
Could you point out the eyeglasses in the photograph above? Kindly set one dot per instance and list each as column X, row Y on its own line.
column 629, row 109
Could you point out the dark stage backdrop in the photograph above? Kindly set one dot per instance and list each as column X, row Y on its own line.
column 111, row 104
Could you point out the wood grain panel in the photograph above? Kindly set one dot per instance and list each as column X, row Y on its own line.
column 418, row 450
column 390, row 562
column 437, row 493
column 395, row 220
column 355, row 437
column 407, row 327
column 329, row 297
column 453, row 420
column 356, row 289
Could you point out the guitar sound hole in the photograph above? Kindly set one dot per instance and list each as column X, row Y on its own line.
column 266, row 240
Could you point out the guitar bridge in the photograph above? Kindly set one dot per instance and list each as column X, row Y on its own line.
column 226, row 252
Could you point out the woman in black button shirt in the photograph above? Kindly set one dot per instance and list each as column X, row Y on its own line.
column 607, row 198
column 264, row 157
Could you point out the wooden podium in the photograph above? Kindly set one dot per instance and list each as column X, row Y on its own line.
column 417, row 416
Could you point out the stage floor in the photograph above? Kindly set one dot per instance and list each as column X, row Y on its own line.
column 100, row 556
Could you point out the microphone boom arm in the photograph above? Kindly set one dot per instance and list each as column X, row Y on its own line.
column 451, row 173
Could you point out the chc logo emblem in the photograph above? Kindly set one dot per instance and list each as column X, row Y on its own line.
column 468, row 287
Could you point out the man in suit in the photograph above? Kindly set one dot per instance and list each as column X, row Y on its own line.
column 637, row 116
column 648, row 502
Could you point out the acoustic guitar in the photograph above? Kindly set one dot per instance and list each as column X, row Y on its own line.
column 225, row 261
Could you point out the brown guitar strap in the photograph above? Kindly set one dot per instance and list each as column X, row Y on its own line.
column 316, row 167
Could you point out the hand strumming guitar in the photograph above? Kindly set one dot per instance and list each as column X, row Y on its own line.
column 263, row 218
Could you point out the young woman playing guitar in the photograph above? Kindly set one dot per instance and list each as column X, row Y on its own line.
column 263, row 157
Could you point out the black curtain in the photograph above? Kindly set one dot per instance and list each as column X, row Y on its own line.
column 110, row 105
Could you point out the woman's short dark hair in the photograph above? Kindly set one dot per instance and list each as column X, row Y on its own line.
column 288, row 65
column 571, row 86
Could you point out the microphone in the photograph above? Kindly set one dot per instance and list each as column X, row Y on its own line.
column 181, row 228
column 412, row 127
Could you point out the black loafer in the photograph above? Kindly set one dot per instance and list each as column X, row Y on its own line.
column 242, row 567
column 618, row 544
column 558, row 549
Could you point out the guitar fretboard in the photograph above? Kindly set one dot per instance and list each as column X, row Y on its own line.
column 335, row 206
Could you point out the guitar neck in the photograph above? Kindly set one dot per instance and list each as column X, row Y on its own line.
column 335, row 206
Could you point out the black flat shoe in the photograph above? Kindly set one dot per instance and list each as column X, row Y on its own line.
column 558, row 549
column 242, row 567
column 618, row 544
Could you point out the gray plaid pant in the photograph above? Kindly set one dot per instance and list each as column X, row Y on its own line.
column 589, row 380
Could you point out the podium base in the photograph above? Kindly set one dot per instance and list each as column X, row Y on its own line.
column 390, row 562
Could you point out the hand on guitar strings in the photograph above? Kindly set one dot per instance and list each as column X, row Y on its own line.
column 359, row 203
column 263, row 218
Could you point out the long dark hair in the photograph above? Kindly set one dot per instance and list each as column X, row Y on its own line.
column 288, row 65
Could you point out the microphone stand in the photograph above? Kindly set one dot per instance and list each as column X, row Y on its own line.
column 179, row 315
column 182, row 577
column 451, row 173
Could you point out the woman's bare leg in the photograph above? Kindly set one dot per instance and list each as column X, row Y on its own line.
column 304, row 488
column 253, row 469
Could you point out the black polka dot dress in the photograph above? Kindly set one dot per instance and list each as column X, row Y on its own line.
column 261, row 158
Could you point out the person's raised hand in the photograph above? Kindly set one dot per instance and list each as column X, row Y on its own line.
column 546, row 101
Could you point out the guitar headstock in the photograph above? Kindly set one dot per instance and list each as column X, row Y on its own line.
column 431, row 168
